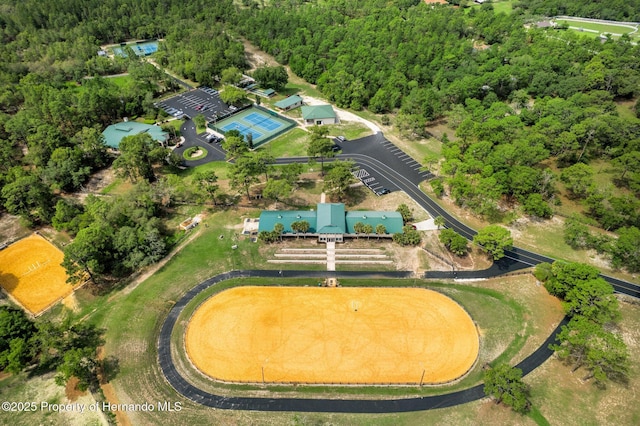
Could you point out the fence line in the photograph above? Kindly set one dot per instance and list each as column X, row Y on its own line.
column 448, row 262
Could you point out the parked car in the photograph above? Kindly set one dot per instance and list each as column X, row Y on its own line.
column 341, row 139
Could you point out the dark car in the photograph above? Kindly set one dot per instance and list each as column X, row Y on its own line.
column 384, row 191
column 335, row 148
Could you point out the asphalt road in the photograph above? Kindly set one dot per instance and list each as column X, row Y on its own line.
column 191, row 138
column 199, row 396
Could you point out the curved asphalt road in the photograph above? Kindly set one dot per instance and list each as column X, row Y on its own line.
column 195, row 394
column 516, row 258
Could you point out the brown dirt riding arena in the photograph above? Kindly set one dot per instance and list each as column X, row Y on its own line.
column 332, row 335
column 31, row 274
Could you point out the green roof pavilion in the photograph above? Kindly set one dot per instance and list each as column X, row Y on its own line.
column 114, row 133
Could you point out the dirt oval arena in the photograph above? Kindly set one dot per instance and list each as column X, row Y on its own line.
column 365, row 336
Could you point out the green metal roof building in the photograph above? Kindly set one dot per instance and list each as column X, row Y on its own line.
column 114, row 133
column 289, row 103
column 330, row 222
column 392, row 221
column 319, row 114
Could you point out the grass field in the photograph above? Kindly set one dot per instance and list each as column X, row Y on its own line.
column 32, row 275
column 594, row 29
column 596, row 26
column 332, row 335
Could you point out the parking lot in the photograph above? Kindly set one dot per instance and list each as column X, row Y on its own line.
column 203, row 100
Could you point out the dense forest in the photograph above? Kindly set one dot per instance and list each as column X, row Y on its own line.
column 531, row 108
column 615, row 10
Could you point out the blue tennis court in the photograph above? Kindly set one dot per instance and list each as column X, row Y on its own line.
column 142, row 49
column 244, row 130
column 263, row 122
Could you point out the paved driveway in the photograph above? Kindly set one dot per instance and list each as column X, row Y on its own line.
column 191, row 138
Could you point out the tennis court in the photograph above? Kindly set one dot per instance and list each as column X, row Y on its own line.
column 262, row 124
column 142, row 49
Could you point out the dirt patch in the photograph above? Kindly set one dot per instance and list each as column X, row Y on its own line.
column 71, row 389
column 196, row 153
column 110, row 394
column 11, row 229
column 71, row 302
column 445, row 260
column 256, row 58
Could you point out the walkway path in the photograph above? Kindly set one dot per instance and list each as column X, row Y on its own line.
column 331, row 256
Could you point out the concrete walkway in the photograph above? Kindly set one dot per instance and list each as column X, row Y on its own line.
column 331, row 256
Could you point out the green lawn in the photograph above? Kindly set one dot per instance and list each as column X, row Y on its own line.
column 602, row 28
column 293, row 143
column 503, row 6
column 122, row 81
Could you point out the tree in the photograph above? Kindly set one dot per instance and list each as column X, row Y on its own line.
column 358, row 227
column 408, row 237
column 567, row 275
column 231, row 76
column 69, row 216
column 207, row 180
column 627, row 162
column 232, row 95
column 271, row 77
column 16, row 329
column 91, row 143
column 300, row 226
column 29, row 198
column 536, row 206
column 585, row 343
column 405, row 212
column 576, row 234
column 242, row 175
column 437, row 186
column 138, row 154
column 90, row 253
column 494, row 240
column 278, row 229
column 453, row 241
column 594, row 300
column 80, row 363
column 319, row 145
column 263, row 161
column 234, row 146
column 277, row 189
column 380, row 230
column 199, row 120
column 439, row 221
column 65, row 170
column 291, row 172
column 339, row 178
column 505, row 385
column 367, row 229
column 578, row 179
column 626, row 249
